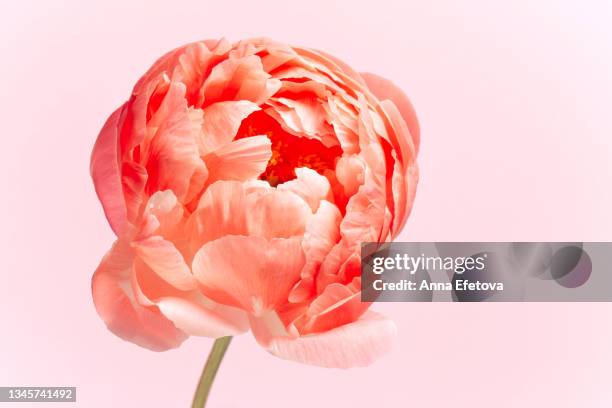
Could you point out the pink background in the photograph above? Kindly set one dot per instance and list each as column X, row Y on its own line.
column 514, row 100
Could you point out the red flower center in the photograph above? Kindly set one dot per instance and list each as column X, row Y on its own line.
column 288, row 151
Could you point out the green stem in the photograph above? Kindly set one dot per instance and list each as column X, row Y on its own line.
column 210, row 371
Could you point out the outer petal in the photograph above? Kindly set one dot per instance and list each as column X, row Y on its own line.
column 251, row 273
column 106, row 172
column 343, row 66
column 188, row 310
column 356, row 344
column 199, row 317
column 337, row 305
column 166, row 261
column 116, row 305
column 384, row 89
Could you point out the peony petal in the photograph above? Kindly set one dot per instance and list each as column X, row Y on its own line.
column 322, row 233
column 224, row 202
column 336, row 306
column 106, row 174
column 194, row 64
column 242, row 159
column 239, row 79
column 344, row 67
column 350, row 171
column 190, row 311
column 133, row 180
column 198, row 316
column 251, row 273
column 355, row 344
column 277, row 214
column 221, row 123
column 166, row 261
column 305, row 115
column 400, row 137
column 165, row 208
column 384, row 89
column 172, row 158
column 309, row 185
column 404, row 191
column 116, row 305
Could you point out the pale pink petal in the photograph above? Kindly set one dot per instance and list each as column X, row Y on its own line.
column 267, row 326
column 167, row 211
column 251, row 273
column 166, row 261
column 309, row 185
column 198, row 316
column 384, row 89
column 224, row 202
column 221, row 123
column 355, row 344
column 106, row 172
column 277, row 214
column 190, row 311
column 116, row 305
column 242, row 159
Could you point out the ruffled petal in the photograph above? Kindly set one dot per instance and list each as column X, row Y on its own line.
column 221, row 123
column 106, row 173
column 251, row 273
column 322, row 233
column 242, row 159
column 337, row 305
column 384, row 89
column 198, row 316
column 190, row 311
column 166, row 261
column 355, row 344
column 224, row 202
column 309, row 185
column 303, row 117
column 172, row 158
column 239, row 79
column 123, row 315
column 277, row 214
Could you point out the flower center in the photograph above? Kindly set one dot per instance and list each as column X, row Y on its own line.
column 288, row 151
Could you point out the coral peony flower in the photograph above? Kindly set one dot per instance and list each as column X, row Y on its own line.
column 240, row 181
